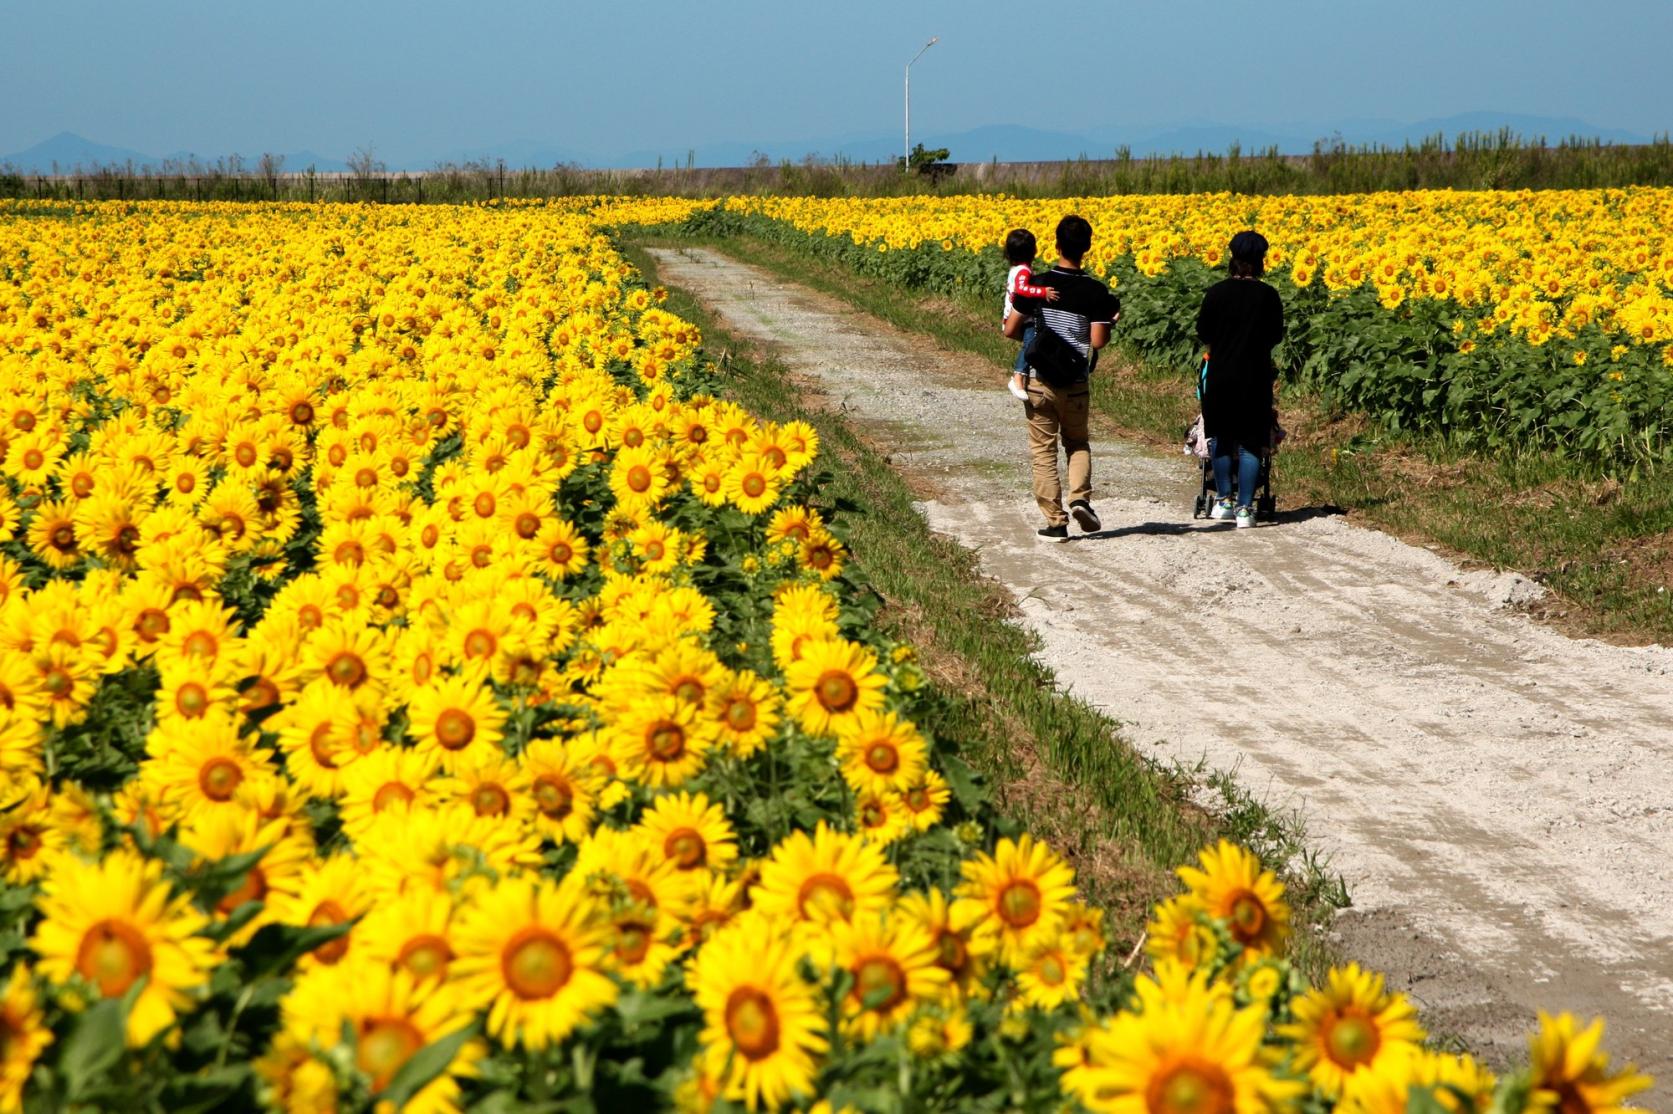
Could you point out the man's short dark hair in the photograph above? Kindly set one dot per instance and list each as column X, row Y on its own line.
column 1020, row 246
column 1074, row 238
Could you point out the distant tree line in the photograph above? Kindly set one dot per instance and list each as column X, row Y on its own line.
column 1501, row 160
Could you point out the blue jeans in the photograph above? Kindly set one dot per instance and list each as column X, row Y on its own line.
column 1021, row 366
column 1248, row 471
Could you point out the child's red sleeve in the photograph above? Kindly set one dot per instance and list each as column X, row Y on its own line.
column 1028, row 289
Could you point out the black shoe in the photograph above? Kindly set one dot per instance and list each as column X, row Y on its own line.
column 1057, row 533
column 1085, row 517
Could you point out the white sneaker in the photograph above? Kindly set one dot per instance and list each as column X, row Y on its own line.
column 1245, row 517
column 1222, row 511
column 1016, row 392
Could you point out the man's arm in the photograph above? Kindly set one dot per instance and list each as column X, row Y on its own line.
column 1100, row 334
column 1015, row 323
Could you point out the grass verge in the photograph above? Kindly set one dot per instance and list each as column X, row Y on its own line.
column 1603, row 548
column 1056, row 765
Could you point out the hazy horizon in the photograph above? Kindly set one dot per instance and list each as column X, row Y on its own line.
column 418, row 83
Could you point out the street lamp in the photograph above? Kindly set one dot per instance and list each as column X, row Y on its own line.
column 935, row 39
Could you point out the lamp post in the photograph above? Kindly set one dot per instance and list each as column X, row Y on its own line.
column 907, row 163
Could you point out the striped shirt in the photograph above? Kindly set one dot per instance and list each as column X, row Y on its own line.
column 1082, row 302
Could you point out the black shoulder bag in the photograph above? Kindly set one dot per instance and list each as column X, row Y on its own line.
column 1057, row 362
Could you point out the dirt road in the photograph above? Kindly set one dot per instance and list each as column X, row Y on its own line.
column 1498, row 797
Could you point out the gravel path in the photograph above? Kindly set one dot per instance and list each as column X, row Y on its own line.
column 1498, row 797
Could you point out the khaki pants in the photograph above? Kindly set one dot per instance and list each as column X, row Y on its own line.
column 1059, row 413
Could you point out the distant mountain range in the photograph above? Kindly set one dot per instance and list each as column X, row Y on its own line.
column 67, row 152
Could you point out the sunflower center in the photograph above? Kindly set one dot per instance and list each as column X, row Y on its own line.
column 553, row 797
column 1019, row 903
column 1190, row 1086
column 391, row 793
column 425, row 955
column 825, row 897
column 346, row 669
column 689, row 689
column 22, row 843
column 666, row 740
column 1050, row 969
column 685, row 847
column 480, row 644
column 740, row 714
column 879, row 983
column 200, row 644
column 262, row 694
column 219, row 779
column 328, row 912
column 112, row 955
column 836, row 691
column 560, row 553
column 151, row 624
column 527, row 525
column 490, row 800
column 1247, row 914
column 754, row 485
column 484, row 505
column 536, row 964
column 639, row 479
column 951, row 952
column 1351, row 1038
column 191, row 699
column 752, row 1023
column 63, row 537
column 882, row 758
column 455, row 728
column 633, row 942
column 385, row 1044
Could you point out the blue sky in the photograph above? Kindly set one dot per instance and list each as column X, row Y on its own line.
column 420, row 80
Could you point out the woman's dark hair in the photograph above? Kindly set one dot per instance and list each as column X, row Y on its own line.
column 1248, row 255
column 1074, row 238
column 1020, row 246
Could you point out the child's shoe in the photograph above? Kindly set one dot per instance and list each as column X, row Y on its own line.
column 1018, row 392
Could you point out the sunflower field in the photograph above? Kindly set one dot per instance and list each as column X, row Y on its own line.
column 1506, row 321
column 419, row 691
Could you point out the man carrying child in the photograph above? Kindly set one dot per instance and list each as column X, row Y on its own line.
column 1060, row 355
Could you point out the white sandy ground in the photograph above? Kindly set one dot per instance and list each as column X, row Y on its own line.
column 1498, row 797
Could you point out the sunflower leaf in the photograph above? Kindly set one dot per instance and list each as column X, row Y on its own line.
column 275, row 947
column 424, row 1066
column 97, row 1041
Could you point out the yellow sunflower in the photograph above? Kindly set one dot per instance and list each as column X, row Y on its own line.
column 330, row 891
column 745, row 708
column 412, row 932
column 662, row 741
column 692, row 833
column 1023, row 889
column 763, row 1024
column 881, row 752
column 30, row 836
column 1051, row 975
column 1197, row 1055
column 1232, row 886
column 752, row 484
column 893, row 965
column 832, row 685
column 1349, row 1025
column 23, row 1036
column 391, row 1017
column 828, row 876
column 112, row 923
column 456, row 717
column 964, row 937
column 564, row 788
column 531, row 953
column 1571, row 1071
column 1179, row 929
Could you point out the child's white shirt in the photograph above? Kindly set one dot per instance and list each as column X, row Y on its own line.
column 1011, row 287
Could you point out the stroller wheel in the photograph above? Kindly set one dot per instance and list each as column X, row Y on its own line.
column 1199, row 510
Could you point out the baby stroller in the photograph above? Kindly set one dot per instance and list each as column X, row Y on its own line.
column 1201, row 446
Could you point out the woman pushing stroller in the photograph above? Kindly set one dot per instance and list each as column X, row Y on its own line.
column 1241, row 321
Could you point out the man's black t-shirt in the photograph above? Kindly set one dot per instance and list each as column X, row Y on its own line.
column 1082, row 302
